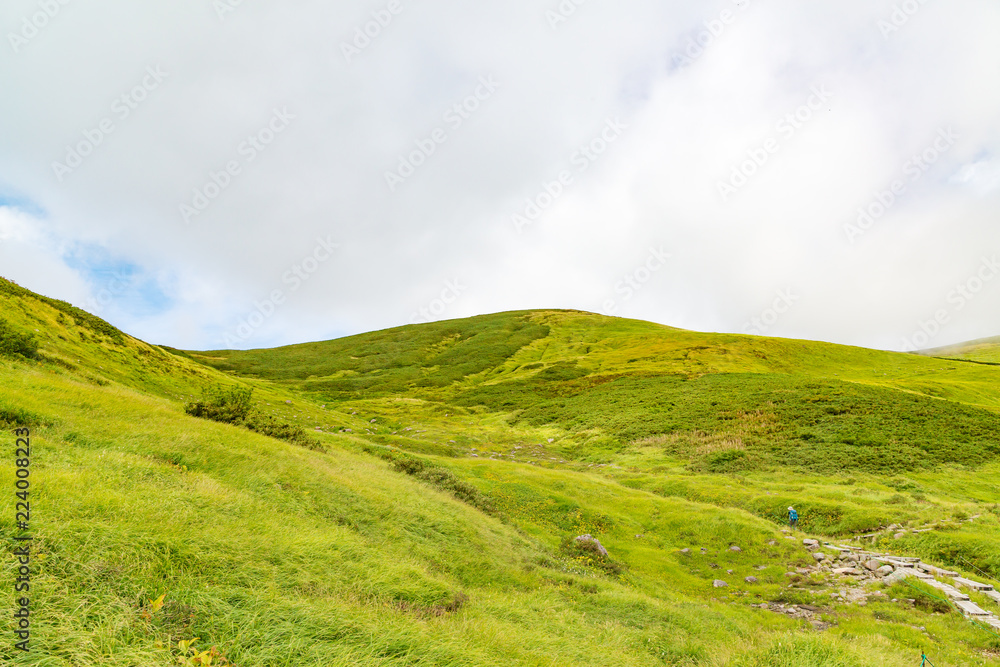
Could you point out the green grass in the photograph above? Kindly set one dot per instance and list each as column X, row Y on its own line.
column 391, row 544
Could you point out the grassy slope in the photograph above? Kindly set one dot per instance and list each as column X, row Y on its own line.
column 281, row 555
column 985, row 350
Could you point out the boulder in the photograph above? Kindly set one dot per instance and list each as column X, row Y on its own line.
column 750, row 580
column 871, row 565
column 685, row 551
column 884, row 571
column 810, row 543
column 896, row 576
column 853, row 571
column 819, row 557
column 735, row 549
column 591, row 542
column 719, row 583
column 898, row 535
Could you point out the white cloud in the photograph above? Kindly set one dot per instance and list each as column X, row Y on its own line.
column 689, row 126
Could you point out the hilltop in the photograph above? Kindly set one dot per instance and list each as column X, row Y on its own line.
column 432, row 519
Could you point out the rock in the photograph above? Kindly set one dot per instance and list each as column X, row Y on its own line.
column 819, row 557
column 750, row 580
column 791, row 574
column 898, row 535
column 853, row 571
column 288, row 402
column 810, row 543
column 730, row 571
column 884, row 571
column 898, row 575
column 862, row 603
column 719, row 583
column 871, row 565
column 772, row 543
column 761, row 567
column 685, row 551
column 735, row 549
column 589, row 541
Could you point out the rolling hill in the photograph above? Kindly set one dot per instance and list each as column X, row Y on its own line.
column 431, row 520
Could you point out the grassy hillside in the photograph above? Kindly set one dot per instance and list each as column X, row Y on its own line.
column 985, row 350
column 459, row 460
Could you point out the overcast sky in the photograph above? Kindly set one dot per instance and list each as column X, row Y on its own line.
column 247, row 174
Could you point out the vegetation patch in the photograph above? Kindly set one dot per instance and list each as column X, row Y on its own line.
column 233, row 405
column 17, row 343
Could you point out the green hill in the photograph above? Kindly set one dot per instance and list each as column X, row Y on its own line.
column 984, row 350
column 433, row 522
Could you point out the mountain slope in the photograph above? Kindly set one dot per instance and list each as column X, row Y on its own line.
column 984, row 350
column 397, row 544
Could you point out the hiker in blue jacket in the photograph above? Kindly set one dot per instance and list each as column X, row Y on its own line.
column 793, row 517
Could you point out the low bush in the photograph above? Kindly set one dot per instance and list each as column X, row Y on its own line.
column 17, row 343
column 232, row 405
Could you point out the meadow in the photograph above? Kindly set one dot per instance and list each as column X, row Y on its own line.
column 432, row 519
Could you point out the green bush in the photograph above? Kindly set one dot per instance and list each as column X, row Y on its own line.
column 16, row 343
column 232, row 405
column 438, row 477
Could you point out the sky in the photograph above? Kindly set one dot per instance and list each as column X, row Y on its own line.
column 215, row 174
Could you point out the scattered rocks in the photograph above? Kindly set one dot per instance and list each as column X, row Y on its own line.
column 884, row 571
column 810, row 543
column 853, row 571
column 719, row 583
column 871, row 565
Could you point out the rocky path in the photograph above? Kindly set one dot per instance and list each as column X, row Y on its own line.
column 865, row 567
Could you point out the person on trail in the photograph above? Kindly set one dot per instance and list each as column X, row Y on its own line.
column 793, row 517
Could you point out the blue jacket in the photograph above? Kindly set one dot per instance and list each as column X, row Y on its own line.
column 793, row 515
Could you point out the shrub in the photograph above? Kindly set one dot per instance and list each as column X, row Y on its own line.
column 438, row 477
column 230, row 405
column 16, row 343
